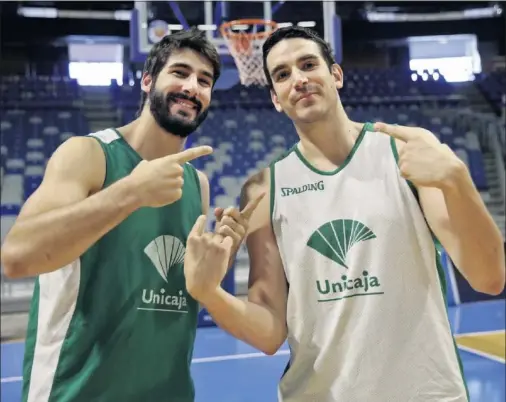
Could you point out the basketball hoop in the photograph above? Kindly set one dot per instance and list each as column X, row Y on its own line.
column 245, row 46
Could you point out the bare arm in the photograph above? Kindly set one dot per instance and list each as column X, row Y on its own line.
column 67, row 213
column 460, row 220
column 261, row 320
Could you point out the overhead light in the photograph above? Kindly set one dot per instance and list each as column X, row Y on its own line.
column 205, row 27
column 38, row 12
column 122, row 15
column 307, row 24
column 48, row 12
column 474, row 13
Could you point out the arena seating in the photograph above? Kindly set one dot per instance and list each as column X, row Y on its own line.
column 493, row 87
column 243, row 127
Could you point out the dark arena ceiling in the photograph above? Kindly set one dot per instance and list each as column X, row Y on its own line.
column 16, row 28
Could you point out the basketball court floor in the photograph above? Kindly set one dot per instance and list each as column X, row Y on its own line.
column 227, row 370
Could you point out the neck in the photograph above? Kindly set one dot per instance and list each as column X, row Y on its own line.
column 328, row 142
column 149, row 140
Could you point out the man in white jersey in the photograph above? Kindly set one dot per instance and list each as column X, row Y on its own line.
column 343, row 258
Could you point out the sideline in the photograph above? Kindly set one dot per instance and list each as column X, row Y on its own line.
column 211, row 359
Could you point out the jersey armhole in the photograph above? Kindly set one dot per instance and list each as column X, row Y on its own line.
column 102, row 146
column 396, row 157
column 437, row 243
column 272, row 195
column 195, row 174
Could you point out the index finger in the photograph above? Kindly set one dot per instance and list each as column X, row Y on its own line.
column 251, row 206
column 199, row 226
column 192, row 153
column 399, row 132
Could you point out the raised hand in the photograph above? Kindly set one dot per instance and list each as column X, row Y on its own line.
column 423, row 159
column 206, row 260
column 234, row 223
column 159, row 182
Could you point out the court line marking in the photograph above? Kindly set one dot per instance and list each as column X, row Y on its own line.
column 13, row 342
column 492, row 332
column 210, row 359
column 240, row 356
column 285, row 352
column 11, row 379
column 482, row 354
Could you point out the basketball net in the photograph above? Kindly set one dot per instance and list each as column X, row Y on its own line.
column 246, row 48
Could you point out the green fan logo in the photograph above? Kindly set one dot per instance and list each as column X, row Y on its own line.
column 166, row 253
column 334, row 240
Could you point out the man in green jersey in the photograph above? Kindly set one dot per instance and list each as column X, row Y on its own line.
column 105, row 235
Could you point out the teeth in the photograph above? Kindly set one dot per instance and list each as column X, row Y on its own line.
column 185, row 104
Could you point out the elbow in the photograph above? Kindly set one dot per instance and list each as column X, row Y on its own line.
column 272, row 346
column 13, row 266
column 492, row 286
column 488, row 275
column 270, row 350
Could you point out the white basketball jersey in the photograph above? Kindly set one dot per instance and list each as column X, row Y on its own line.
column 366, row 314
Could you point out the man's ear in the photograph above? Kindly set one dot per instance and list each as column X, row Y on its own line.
column 337, row 73
column 275, row 101
column 146, row 82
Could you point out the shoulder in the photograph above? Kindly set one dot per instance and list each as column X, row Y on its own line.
column 257, row 185
column 254, row 185
column 79, row 159
column 79, row 153
column 86, row 143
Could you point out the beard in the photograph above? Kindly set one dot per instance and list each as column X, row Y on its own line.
column 177, row 124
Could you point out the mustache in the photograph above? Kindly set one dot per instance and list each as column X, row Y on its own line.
column 308, row 88
column 180, row 95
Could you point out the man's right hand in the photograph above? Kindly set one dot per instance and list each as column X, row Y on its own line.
column 159, row 182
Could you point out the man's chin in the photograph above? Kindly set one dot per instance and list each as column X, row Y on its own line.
column 181, row 130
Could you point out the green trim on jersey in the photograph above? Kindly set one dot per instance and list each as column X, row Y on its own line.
column 440, row 270
column 346, row 161
column 272, row 190
column 367, row 126
column 272, row 195
column 117, row 324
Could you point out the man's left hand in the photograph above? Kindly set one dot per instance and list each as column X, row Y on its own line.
column 234, row 223
column 423, row 159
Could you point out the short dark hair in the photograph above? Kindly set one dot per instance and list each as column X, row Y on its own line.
column 295, row 33
column 159, row 54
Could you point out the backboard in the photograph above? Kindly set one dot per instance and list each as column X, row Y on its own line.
column 152, row 20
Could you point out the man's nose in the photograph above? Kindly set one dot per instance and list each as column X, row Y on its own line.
column 190, row 85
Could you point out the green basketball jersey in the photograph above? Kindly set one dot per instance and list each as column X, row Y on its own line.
column 117, row 325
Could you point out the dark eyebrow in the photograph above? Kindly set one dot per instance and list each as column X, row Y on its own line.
column 302, row 58
column 188, row 67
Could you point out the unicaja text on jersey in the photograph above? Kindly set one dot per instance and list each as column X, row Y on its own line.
column 349, row 287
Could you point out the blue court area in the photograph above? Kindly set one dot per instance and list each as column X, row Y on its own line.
column 227, row 370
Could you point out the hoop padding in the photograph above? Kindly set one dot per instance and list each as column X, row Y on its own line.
column 246, row 49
